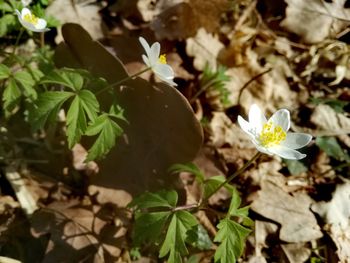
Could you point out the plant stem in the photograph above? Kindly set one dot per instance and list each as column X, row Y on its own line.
column 42, row 39
column 121, row 81
column 200, row 91
column 231, row 177
column 17, row 40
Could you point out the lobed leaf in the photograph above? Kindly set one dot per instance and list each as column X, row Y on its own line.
column 84, row 105
column 108, row 131
column 66, row 77
column 231, row 236
column 174, row 242
column 163, row 198
column 187, row 167
column 5, row 72
column 47, row 107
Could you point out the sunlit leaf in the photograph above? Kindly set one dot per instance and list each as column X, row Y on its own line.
column 174, row 243
column 231, row 236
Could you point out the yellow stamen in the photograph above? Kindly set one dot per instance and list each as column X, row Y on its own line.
column 272, row 135
column 162, row 59
column 30, row 18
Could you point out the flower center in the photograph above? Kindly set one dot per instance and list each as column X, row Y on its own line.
column 30, row 18
column 162, row 59
column 272, row 135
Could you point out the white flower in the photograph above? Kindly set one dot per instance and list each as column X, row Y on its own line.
column 26, row 2
column 272, row 136
column 157, row 62
column 30, row 21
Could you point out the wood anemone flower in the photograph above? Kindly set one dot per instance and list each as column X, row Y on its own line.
column 30, row 21
column 272, row 136
column 157, row 62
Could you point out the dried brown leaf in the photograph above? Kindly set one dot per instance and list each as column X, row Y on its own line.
column 298, row 224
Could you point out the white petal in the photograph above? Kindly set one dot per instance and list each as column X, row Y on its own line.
column 146, row 60
column 145, row 46
column 245, row 126
column 287, row 153
column 18, row 13
column 262, row 149
column 41, row 24
column 281, row 118
column 154, row 53
column 256, row 118
column 163, row 71
column 296, row 140
column 25, row 11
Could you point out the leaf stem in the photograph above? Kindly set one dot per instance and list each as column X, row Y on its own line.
column 201, row 90
column 121, row 81
column 17, row 41
column 231, row 177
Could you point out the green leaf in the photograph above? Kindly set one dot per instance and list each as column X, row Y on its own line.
column 187, row 167
column 66, row 77
column 336, row 104
column 7, row 22
column 149, row 226
column 174, row 243
column 27, row 83
column 213, row 183
column 234, row 209
column 5, row 6
column 331, row 147
column 231, row 236
column 108, row 131
column 84, row 105
column 11, row 95
column 295, row 167
column 47, row 107
column 161, row 198
column 198, row 237
column 5, row 72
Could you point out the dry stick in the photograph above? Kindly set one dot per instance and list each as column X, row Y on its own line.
column 245, row 15
column 250, row 81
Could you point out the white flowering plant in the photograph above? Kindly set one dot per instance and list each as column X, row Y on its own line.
column 47, row 93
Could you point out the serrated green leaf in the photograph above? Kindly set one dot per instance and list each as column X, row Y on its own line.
column 231, row 236
column 234, row 209
column 5, row 72
column 108, row 131
column 27, row 83
column 187, row 167
column 198, row 237
column 66, row 77
column 235, row 202
column 295, row 167
column 47, row 106
column 11, row 94
column 174, row 242
column 213, row 183
column 149, row 226
column 331, row 147
column 83, row 106
column 76, row 122
column 163, row 198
